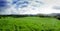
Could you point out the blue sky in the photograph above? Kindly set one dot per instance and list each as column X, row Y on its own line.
column 31, row 7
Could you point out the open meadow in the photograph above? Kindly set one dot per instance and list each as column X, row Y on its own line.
column 29, row 24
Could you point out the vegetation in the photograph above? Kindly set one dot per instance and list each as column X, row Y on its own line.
column 29, row 24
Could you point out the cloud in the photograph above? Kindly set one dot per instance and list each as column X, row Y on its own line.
column 23, row 7
column 56, row 7
column 32, row 7
column 3, row 6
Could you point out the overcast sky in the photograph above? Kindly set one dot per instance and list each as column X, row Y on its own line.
column 31, row 7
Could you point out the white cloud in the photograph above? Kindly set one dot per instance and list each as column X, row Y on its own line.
column 34, row 8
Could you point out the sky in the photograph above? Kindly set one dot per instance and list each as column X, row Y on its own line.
column 30, row 7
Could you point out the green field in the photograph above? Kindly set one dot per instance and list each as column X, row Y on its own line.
column 29, row 24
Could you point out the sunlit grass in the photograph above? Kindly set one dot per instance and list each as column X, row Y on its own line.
column 29, row 24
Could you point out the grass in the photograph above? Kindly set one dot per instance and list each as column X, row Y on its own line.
column 29, row 24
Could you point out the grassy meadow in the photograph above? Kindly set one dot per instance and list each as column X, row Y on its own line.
column 29, row 24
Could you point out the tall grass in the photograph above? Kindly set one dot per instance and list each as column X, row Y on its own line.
column 29, row 24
